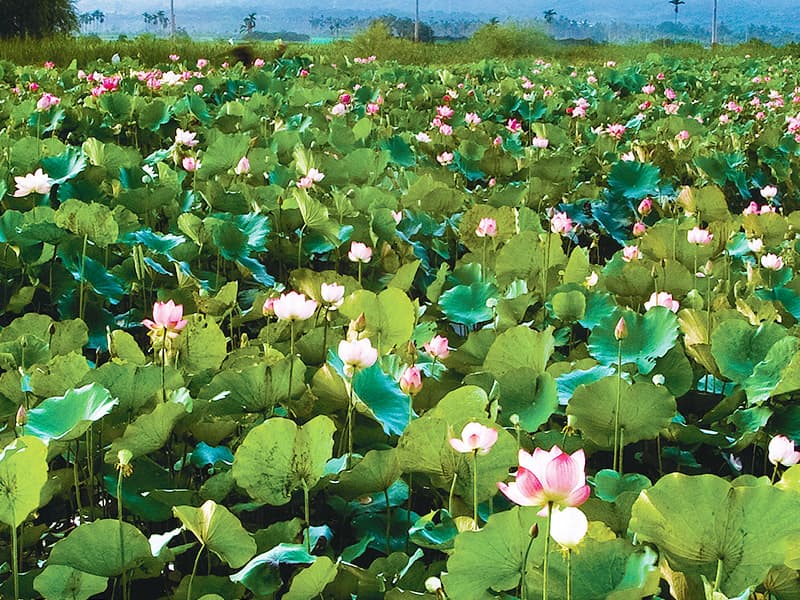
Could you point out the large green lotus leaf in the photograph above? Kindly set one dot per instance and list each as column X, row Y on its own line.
column 23, row 474
column 150, row 431
column 778, row 373
column 311, row 581
column 315, row 216
column 601, row 570
column 489, row 561
column 68, row 417
column 209, row 587
column 94, row 221
column 102, row 281
column 95, row 548
column 609, row 485
column 59, row 374
column 520, row 348
column 697, row 520
column 783, row 583
column 708, row 203
column 61, row 582
column 65, row 166
column 135, row 386
column 469, row 304
column 436, row 531
column 262, row 576
column 633, row 180
column 376, row 472
column 532, row 396
column 64, row 336
column 124, row 347
column 219, row 530
column 677, row 371
column 650, row 336
column 389, row 405
column 152, row 115
column 569, row 306
column 278, row 457
column 23, row 353
column 738, row 346
column 202, row 344
column 118, row 105
column 257, row 388
column 628, row 279
column 223, row 154
column 645, row 411
column 390, row 316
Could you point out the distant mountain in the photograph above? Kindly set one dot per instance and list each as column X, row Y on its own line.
column 223, row 17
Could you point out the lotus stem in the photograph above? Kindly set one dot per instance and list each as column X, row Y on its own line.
column 14, row 552
column 523, row 589
column 307, row 517
column 81, row 283
column 388, row 532
column 194, row 571
column 291, row 358
column 569, row 573
column 718, row 578
column 546, row 265
column 547, row 550
column 452, row 491
column 475, row 489
column 359, row 273
column 124, row 581
column 617, row 457
column 350, row 417
column 484, row 270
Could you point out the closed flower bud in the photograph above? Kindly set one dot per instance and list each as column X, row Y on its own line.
column 621, row 329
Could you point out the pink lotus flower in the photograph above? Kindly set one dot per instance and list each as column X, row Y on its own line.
column 438, row 347
column 359, row 253
column 339, row 110
column 345, row 99
column 445, row 158
column 621, row 329
column 174, row 57
column 768, row 192
column 190, row 164
column 630, row 253
column 445, row 129
column 670, row 94
column 616, row 130
column 243, row 167
column 358, row 354
column 662, row 299
column 38, row 182
column 186, row 138
column 513, row 125
column 755, row 245
column 47, row 100
column 548, row 477
column 444, row 112
column 781, row 451
column 258, row 63
column 569, row 526
column 724, row 119
column 645, row 207
column 313, row 176
column 648, row 89
column 682, row 135
column 198, row 89
column 540, row 142
column 702, row 237
column 486, row 228
column 423, row 137
column 560, row 223
column 167, row 320
column 33, row 86
column 202, row 63
column 294, row 307
column 397, row 215
column 475, row 438
column 639, row 229
column 773, row 262
column 411, row 380
column 332, row 295
column 49, row 64
column 472, row 119
column 372, row 108
column 268, row 309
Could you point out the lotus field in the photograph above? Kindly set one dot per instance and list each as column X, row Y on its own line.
column 365, row 330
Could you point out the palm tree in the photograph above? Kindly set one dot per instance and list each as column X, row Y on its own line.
column 676, row 3
column 714, row 24
column 248, row 24
column 548, row 16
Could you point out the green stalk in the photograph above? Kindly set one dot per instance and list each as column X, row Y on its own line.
column 164, row 367
column 718, row 578
column 325, row 335
column 359, row 273
column 452, row 491
column 90, row 465
column 774, row 473
column 350, row 417
column 14, row 552
column 307, row 517
column 77, row 482
column 546, row 265
column 523, row 590
column 484, row 270
column 569, row 573
column 81, row 286
column 475, row 489
column 300, row 247
column 388, row 522
column 291, row 358
column 617, row 458
column 194, row 571
column 121, row 536
column 547, row 550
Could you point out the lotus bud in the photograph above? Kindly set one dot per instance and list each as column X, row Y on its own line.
column 22, row 416
column 621, row 330
column 534, row 530
column 433, row 585
column 359, row 324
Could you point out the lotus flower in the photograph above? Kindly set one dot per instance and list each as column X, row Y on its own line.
column 438, row 347
column 243, row 167
column 475, row 438
column 38, row 182
column 167, row 319
column 359, row 253
column 357, row 354
column 540, row 142
column 781, row 451
column 294, row 307
column 548, row 477
column 186, row 138
column 662, row 299
column 630, row 253
column 190, row 164
column 569, row 526
column 773, row 262
column 701, row 237
column 486, row 228
column 768, row 192
column 411, row 380
column 560, row 223
column 332, row 295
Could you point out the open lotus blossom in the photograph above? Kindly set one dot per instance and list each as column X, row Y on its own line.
column 472, row 119
column 630, row 253
column 313, row 176
column 47, row 100
column 332, row 295
column 190, row 164
column 540, row 142
column 357, row 354
column 781, row 451
column 662, row 299
column 560, row 223
column 768, row 192
column 616, row 130
column 243, row 166
column 445, row 158
column 438, row 347
column 294, row 307
column 513, row 125
column 569, row 526
column 699, row 236
column 359, row 253
column 202, row 63
column 475, row 438
column 186, row 138
column 486, row 228
column 773, row 262
column 548, row 477
column 411, row 380
column 37, row 182
column 755, row 245
column 167, row 320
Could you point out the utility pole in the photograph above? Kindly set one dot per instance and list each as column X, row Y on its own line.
column 714, row 25
column 416, row 22
column 172, row 16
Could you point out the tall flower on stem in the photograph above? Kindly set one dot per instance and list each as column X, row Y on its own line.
column 293, row 307
column 166, row 325
column 569, row 527
column 355, row 354
column 332, row 295
column 360, row 254
column 486, row 229
column 782, row 452
column 475, row 439
column 547, row 479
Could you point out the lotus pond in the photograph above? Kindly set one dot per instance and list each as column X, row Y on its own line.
column 364, row 330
